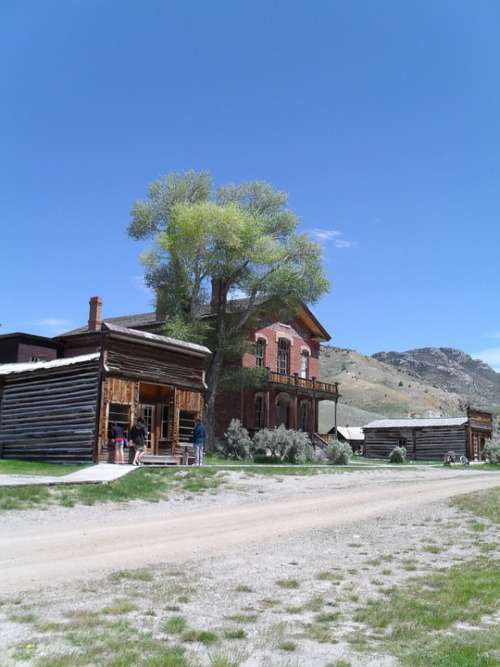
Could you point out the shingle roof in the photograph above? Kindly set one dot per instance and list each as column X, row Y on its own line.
column 8, row 369
column 417, row 422
column 128, row 321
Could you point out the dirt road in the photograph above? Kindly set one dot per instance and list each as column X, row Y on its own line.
column 33, row 557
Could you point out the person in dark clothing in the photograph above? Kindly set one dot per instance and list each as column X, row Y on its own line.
column 138, row 435
column 199, row 437
column 119, row 441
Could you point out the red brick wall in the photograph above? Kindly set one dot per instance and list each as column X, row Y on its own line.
column 299, row 340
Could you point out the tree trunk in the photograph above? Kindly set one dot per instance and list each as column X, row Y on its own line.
column 213, row 376
column 218, row 302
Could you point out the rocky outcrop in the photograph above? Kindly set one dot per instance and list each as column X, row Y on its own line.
column 451, row 370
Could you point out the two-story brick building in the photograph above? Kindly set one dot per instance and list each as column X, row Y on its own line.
column 288, row 352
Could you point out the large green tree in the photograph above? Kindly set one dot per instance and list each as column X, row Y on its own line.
column 212, row 244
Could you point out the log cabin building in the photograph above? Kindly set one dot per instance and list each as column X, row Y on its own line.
column 430, row 438
column 60, row 410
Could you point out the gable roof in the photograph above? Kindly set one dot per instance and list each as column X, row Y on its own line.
column 418, row 422
column 351, row 432
column 150, row 320
column 127, row 321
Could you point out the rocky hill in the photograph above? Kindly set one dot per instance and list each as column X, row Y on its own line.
column 432, row 382
column 451, row 370
column 372, row 389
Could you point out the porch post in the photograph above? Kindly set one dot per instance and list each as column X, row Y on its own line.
column 335, row 419
column 294, row 420
column 268, row 407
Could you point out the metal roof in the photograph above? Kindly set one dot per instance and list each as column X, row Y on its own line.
column 8, row 369
column 417, row 422
column 351, row 432
column 194, row 348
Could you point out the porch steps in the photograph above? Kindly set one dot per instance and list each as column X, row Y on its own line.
column 161, row 460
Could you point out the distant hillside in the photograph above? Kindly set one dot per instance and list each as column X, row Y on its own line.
column 371, row 388
column 451, row 370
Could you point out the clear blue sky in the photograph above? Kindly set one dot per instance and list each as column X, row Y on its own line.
column 380, row 119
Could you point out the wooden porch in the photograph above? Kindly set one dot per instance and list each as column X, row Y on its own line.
column 169, row 414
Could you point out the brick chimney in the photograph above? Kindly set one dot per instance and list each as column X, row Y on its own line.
column 95, row 313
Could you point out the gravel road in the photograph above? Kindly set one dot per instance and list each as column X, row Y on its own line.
column 69, row 544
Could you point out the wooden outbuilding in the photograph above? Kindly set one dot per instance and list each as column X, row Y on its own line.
column 353, row 435
column 60, row 410
column 430, row 438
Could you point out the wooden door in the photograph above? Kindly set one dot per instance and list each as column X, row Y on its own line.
column 148, row 412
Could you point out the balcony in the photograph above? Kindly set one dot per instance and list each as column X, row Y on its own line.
column 326, row 390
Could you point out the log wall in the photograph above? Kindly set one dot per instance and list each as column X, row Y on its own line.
column 50, row 414
column 431, row 442
column 151, row 364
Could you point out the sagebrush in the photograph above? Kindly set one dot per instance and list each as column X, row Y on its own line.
column 339, row 453
column 237, row 442
column 398, row 455
column 492, row 451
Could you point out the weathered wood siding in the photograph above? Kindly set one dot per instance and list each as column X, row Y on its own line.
column 421, row 443
column 50, row 414
column 151, row 364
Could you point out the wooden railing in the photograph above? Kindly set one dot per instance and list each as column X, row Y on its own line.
column 303, row 383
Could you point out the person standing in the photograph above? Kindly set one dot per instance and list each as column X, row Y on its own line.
column 119, row 441
column 139, row 434
column 199, row 437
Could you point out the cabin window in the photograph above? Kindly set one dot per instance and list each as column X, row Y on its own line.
column 260, row 412
column 164, row 422
column 402, row 442
column 119, row 414
column 260, row 353
column 304, row 416
column 304, row 364
column 283, row 356
column 186, row 426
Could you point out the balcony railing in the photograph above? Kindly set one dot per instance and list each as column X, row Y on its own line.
column 310, row 384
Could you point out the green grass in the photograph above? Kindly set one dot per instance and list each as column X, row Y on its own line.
column 175, row 625
column 419, row 620
column 485, row 504
column 235, row 633
column 14, row 467
column 287, row 583
column 150, row 484
column 288, row 646
column 202, row 636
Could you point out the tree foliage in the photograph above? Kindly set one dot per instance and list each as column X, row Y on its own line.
column 212, row 244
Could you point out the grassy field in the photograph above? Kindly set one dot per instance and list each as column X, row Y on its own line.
column 485, row 504
column 13, row 467
column 420, row 622
column 151, row 484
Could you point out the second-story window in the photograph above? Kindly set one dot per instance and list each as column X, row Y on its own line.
column 283, row 356
column 304, row 364
column 260, row 353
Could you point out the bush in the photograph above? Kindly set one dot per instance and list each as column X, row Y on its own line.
column 339, row 453
column 282, row 445
column 398, row 455
column 492, row 451
column 237, row 442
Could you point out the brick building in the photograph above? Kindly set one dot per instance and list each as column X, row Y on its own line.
column 288, row 352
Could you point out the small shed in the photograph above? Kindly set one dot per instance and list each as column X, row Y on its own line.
column 352, row 434
column 430, row 438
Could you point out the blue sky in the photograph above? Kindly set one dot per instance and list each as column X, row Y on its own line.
column 380, row 119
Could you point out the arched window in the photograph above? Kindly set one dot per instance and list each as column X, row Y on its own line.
column 304, row 416
column 304, row 364
column 283, row 356
column 260, row 412
column 260, row 353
